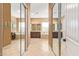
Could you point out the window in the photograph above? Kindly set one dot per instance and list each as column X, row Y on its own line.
column 45, row 27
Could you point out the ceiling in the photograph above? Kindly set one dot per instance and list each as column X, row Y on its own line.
column 38, row 10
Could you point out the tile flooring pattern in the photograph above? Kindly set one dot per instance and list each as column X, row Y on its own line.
column 12, row 49
column 37, row 47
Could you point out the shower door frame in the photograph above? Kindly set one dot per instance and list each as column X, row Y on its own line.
column 25, row 5
column 50, row 39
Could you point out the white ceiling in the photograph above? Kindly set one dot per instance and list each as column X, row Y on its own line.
column 38, row 10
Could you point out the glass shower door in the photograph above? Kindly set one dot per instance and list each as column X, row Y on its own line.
column 57, row 29
column 22, row 28
column 55, row 32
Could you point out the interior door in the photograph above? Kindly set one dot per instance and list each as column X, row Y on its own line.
column 71, row 29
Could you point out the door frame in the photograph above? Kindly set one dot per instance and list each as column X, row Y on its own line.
column 50, row 39
column 59, row 28
column 50, row 17
column 26, row 7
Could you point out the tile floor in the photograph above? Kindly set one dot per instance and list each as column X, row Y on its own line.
column 37, row 47
column 12, row 49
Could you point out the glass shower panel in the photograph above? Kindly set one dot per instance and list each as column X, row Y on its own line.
column 22, row 28
column 56, row 33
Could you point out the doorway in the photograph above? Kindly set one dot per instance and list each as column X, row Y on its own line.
column 16, row 25
column 34, row 26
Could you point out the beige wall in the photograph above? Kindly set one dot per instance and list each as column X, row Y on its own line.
column 40, row 20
